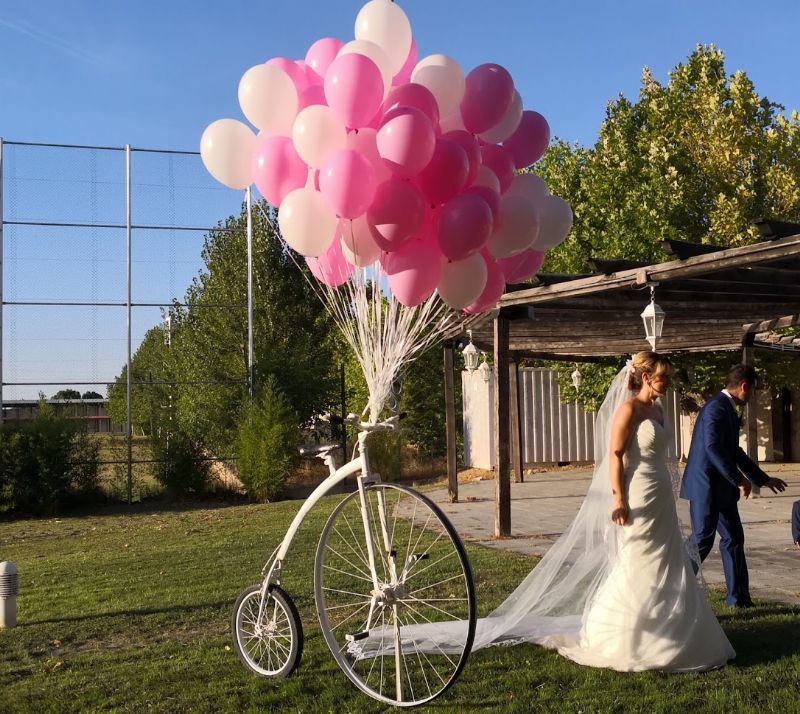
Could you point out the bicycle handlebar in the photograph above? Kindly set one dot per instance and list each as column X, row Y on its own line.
column 390, row 424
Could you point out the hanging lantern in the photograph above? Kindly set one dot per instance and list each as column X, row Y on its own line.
column 470, row 353
column 577, row 379
column 653, row 318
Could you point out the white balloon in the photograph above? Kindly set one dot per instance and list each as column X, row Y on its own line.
column 487, row 177
column 316, row 133
column 463, row 281
column 268, row 98
column 364, row 140
column 507, row 125
column 530, row 186
column 555, row 222
column 518, row 229
column 306, row 222
column 376, row 54
column 226, row 148
column 384, row 23
column 445, row 78
column 358, row 245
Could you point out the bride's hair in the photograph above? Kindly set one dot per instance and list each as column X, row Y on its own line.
column 650, row 363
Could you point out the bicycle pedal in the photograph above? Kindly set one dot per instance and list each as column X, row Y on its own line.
column 357, row 636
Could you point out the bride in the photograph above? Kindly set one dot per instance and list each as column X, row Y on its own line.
column 617, row 589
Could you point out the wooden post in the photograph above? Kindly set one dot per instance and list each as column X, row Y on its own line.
column 502, row 519
column 450, row 424
column 516, row 421
column 751, row 410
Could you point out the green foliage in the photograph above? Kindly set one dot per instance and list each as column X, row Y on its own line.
column 46, row 465
column 699, row 159
column 67, row 394
column 267, row 440
column 91, row 395
column 182, row 467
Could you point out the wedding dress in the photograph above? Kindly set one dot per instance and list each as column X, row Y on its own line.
column 622, row 597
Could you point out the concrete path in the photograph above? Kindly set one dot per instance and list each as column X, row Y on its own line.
column 546, row 503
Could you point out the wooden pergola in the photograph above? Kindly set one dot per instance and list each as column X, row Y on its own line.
column 714, row 300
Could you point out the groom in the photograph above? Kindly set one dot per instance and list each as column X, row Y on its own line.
column 717, row 473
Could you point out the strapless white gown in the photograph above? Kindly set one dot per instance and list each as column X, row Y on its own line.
column 650, row 613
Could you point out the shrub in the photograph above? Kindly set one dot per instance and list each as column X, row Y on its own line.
column 267, row 438
column 182, row 467
column 45, row 464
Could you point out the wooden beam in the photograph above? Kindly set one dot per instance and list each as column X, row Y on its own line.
column 683, row 249
column 776, row 324
column 776, row 229
column 450, row 424
column 516, row 421
column 502, row 518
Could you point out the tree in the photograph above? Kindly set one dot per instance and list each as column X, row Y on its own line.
column 697, row 159
column 91, row 395
column 67, row 394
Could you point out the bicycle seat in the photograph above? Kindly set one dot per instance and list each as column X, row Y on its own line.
column 317, row 449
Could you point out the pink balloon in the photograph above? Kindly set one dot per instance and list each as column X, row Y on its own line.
column 446, row 174
column 396, row 214
column 364, row 141
column 472, row 148
column 404, row 75
column 296, row 73
column 500, row 161
column 322, row 53
column 358, row 245
column 313, row 94
column 492, row 198
column 495, row 286
column 413, row 95
column 413, row 271
column 331, row 268
column 347, row 183
column 277, row 168
column 518, row 229
column 465, row 225
column 406, row 141
column 529, row 142
column 522, row 267
column 354, row 89
column 488, row 94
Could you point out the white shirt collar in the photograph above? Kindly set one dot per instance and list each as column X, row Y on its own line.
column 728, row 394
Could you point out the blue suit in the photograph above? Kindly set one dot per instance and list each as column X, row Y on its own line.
column 711, row 484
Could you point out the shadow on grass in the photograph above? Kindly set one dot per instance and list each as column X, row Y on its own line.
column 142, row 612
column 763, row 634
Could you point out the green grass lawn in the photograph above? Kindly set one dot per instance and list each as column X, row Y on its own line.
column 129, row 612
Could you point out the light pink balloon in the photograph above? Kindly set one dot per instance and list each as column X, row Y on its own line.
column 364, row 141
column 463, row 281
column 488, row 95
column 347, row 183
column 519, row 227
column 522, row 267
column 529, row 142
column 358, row 245
column 413, row 271
column 277, row 168
column 495, row 286
column 491, row 197
column 465, row 224
column 555, row 222
column 413, row 95
column 472, row 148
column 499, row 160
column 396, row 214
column 313, row 94
column 404, row 75
column 296, row 73
column 406, row 141
column 322, row 53
column 331, row 268
column 446, row 174
column 354, row 89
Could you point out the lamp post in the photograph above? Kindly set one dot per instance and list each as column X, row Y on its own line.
column 653, row 318
column 470, row 353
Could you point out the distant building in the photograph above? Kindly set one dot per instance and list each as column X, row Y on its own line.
column 94, row 412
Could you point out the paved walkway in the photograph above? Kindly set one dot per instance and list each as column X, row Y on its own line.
column 546, row 503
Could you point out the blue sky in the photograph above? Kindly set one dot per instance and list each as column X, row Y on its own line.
column 155, row 74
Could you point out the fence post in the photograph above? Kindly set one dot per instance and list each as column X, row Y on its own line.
column 129, row 380
column 450, row 424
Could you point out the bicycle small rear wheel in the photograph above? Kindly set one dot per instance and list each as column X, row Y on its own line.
column 406, row 641
column 273, row 645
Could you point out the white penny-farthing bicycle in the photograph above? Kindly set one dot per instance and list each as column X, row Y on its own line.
column 388, row 563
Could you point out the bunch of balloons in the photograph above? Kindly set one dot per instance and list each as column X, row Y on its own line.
column 371, row 155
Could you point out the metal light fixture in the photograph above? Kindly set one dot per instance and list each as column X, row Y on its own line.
column 653, row 318
column 470, row 353
column 577, row 378
column 485, row 370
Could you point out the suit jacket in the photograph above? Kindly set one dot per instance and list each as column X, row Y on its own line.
column 716, row 461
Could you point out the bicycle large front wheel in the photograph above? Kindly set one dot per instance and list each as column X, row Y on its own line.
column 405, row 638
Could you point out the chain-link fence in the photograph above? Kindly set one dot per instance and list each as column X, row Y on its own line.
column 97, row 246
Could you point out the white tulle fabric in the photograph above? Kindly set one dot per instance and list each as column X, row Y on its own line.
column 604, row 595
